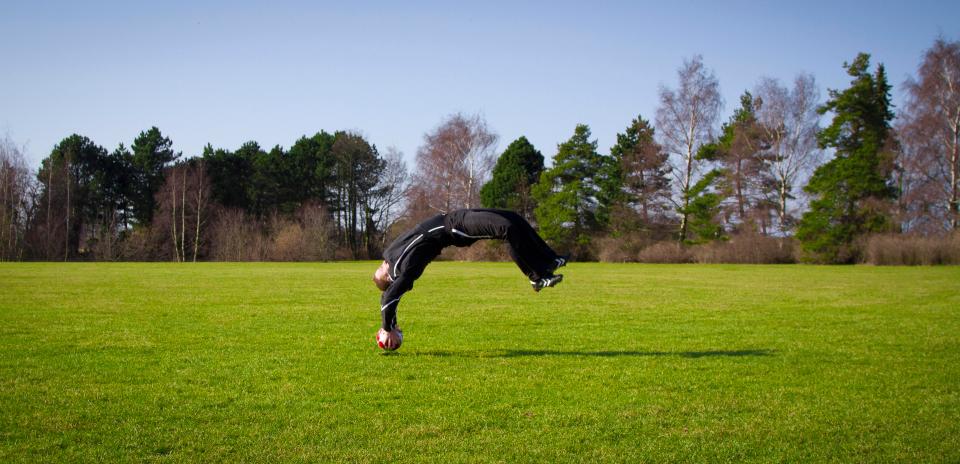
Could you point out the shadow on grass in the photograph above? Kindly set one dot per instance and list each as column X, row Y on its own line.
column 599, row 354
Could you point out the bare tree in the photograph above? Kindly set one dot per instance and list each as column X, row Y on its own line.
column 236, row 237
column 790, row 121
column 930, row 136
column 184, row 198
column 15, row 202
column 391, row 191
column 685, row 121
column 454, row 162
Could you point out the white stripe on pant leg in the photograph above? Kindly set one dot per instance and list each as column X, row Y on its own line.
column 470, row 236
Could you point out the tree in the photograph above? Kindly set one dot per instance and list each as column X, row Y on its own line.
column 15, row 202
column 569, row 193
column 685, row 120
column 645, row 171
column 358, row 169
column 517, row 168
column 739, row 152
column 702, row 210
column 230, row 174
column 152, row 152
column 454, row 162
column 182, row 203
column 852, row 192
column 930, row 137
column 309, row 171
column 390, row 192
column 70, row 180
column 790, row 121
column 111, row 202
column 266, row 184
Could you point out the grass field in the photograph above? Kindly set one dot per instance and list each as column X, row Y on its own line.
column 621, row 363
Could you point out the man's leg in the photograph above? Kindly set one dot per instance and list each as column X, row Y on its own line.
column 533, row 256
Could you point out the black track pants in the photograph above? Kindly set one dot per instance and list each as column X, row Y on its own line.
column 533, row 256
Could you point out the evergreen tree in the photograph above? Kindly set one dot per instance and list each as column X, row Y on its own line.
column 517, row 169
column 269, row 175
column 152, row 152
column 119, row 187
column 852, row 192
column 643, row 174
column 570, row 194
column 702, row 211
column 230, row 173
column 310, row 174
column 740, row 153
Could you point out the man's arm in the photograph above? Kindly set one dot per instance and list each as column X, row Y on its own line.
column 411, row 269
column 391, row 298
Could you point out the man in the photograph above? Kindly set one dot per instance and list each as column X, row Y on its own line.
column 406, row 258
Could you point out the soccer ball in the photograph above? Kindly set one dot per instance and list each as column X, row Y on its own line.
column 382, row 337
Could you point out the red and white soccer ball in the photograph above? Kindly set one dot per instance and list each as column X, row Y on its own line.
column 382, row 338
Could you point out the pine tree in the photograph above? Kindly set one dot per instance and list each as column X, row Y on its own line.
column 852, row 192
column 570, row 194
column 517, row 169
column 740, row 154
column 643, row 175
column 152, row 152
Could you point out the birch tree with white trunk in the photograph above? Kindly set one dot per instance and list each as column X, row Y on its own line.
column 686, row 119
column 790, row 122
column 930, row 134
column 455, row 160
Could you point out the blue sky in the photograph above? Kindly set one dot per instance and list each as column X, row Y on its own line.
column 225, row 73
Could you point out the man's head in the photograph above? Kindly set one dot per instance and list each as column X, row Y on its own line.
column 381, row 278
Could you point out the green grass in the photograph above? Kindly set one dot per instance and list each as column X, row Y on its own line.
column 625, row 363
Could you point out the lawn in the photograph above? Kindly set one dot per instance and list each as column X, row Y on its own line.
column 620, row 363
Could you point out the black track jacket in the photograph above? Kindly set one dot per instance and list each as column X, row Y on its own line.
column 410, row 253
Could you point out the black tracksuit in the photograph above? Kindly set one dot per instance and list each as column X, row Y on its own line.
column 410, row 253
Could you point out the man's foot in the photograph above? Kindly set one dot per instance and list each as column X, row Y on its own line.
column 548, row 281
column 560, row 261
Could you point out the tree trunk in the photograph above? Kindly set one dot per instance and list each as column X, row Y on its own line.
column 6, row 179
column 183, row 218
column 196, row 237
column 66, row 240
column 954, row 168
column 49, row 209
column 688, row 173
column 783, row 206
column 173, row 222
column 740, row 202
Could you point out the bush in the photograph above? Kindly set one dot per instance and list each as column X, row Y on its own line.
column 665, row 252
column 483, row 250
column 747, row 248
column 147, row 243
column 236, row 237
column 912, row 250
column 308, row 237
column 622, row 249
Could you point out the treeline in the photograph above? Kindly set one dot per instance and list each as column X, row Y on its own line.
column 327, row 197
column 770, row 184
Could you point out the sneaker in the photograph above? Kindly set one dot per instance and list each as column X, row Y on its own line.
column 561, row 261
column 548, row 281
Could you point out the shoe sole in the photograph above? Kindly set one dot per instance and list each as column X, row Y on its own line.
column 537, row 286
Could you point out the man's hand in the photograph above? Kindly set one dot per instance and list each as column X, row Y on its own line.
column 390, row 340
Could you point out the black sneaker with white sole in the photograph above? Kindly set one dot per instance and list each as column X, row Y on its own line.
column 548, row 281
